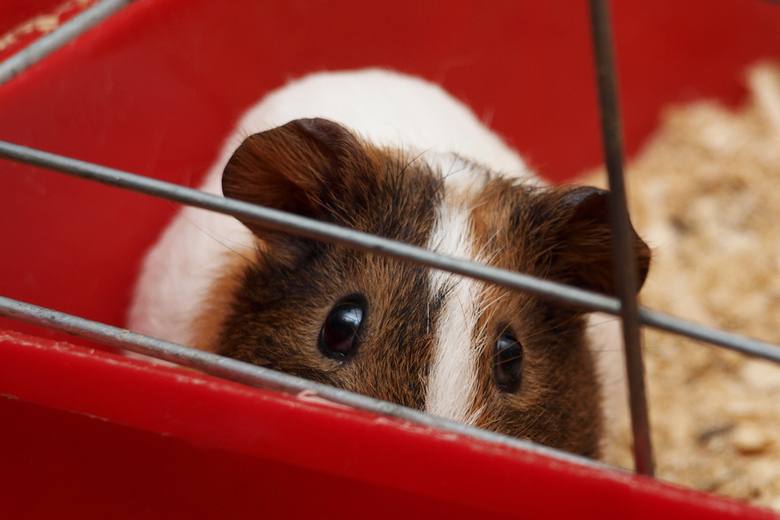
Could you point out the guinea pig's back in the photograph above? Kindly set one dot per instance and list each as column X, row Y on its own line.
column 388, row 109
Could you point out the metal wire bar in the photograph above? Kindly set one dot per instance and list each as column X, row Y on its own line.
column 731, row 341
column 260, row 377
column 625, row 258
column 295, row 224
column 28, row 57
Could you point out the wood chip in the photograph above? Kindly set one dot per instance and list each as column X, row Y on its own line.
column 749, row 440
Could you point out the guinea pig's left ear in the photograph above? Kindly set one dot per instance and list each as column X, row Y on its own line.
column 582, row 247
column 307, row 167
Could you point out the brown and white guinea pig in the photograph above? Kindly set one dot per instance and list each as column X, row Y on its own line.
column 395, row 156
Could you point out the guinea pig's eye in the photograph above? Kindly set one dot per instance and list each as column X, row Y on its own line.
column 509, row 363
column 339, row 334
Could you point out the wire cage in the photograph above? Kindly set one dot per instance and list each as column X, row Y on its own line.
column 153, row 89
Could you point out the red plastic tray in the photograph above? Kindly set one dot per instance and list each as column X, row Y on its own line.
column 154, row 90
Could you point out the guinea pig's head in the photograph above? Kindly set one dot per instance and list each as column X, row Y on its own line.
column 455, row 347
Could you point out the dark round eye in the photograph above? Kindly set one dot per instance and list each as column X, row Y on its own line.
column 509, row 363
column 339, row 334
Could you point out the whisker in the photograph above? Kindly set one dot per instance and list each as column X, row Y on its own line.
column 551, row 328
column 221, row 240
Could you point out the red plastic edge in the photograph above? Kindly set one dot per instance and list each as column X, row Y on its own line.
column 215, row 413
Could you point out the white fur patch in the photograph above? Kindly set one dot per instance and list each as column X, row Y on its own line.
column 605, row 340
column 452, row 384
column 181, row 268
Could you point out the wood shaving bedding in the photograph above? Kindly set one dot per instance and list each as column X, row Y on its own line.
column 44, row 23
column 705, row 195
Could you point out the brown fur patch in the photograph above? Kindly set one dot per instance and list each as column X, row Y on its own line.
column 218, row 304
column 286, row 295
column 558, row 402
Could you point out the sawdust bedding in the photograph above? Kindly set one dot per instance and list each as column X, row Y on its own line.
column 705, row 194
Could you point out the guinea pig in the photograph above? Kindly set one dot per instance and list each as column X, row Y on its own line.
column 398, row 157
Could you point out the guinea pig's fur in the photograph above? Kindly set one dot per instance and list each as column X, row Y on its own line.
column 395, row 156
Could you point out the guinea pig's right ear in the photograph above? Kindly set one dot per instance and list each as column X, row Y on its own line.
column 306, row 167
column 579, row 238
